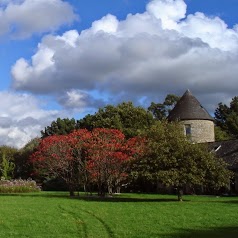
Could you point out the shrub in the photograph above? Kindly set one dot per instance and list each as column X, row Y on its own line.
column 54, row 184
column 18, row 186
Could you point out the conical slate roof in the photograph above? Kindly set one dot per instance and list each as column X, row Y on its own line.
column 189, row 108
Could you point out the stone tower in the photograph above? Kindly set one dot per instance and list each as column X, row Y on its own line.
column 198, row 125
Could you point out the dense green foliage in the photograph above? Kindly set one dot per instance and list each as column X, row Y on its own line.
column 131, row 120
column 60, row 127
column 7, row 168
column 7, row 161
column 169, row 158
column 14, row 163
column 23, row 167
column 54, row 215
column 227, row 117
column 221, row 134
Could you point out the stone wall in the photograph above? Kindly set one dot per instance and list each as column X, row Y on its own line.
column 201, row 130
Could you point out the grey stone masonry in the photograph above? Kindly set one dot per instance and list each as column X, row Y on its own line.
column 200, row 130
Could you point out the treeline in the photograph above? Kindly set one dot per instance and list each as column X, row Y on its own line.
column 167, row 157
column 126, row 117
column 104, row 160
column 131, row 120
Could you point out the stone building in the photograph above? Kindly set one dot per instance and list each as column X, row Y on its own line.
column 198, row 125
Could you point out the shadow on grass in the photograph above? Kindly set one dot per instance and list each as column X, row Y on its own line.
column 37, row 194
column 231, row 202
column 121, row 197
column 216, row 232
column 125, row 199
column 93, row 198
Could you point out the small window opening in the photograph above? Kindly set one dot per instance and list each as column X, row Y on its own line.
column 187, row 130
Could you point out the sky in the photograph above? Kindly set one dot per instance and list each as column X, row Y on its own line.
column 68, row 58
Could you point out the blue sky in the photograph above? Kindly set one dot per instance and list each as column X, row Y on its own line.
column 68, row 58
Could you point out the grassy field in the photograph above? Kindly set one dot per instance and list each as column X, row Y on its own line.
column 54, row 214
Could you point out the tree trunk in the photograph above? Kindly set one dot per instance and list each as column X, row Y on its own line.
column 71, row 190
column 118, row 189
column 180, row 193
column 71, row 193
column 110, row 190
column 101, row 189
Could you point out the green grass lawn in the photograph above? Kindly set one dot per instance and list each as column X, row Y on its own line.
column 54, row 214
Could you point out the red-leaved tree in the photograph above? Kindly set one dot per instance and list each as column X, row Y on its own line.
column 100, row 157
column 54, row 158
column 109, row 155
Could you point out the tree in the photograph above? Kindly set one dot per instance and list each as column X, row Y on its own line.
column 23, row 168
column 54, row 158
column 171, row 160
column 8, row 151
column 60, row 127
column 221, row 135
column 109, row 154
column 7, row 168
column 7, row 161
column 84, row 157
column 226, row 117
column 126, row 117
column 160, row 111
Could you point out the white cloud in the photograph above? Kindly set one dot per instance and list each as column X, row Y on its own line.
column 22, row 118
column 108, row 24
column 170, row 12
column 214, row 31
column 23, row 18
column 146, row 55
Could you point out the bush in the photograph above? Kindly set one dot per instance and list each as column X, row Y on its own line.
column 18, row 186
column 54, row 184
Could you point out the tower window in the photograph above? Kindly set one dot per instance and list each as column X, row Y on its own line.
column 187, row 129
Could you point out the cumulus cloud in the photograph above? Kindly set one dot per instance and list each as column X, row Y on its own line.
column 78, row 101
column 22, row 118
column 146, row 55
column 22, row 18
column 170, row 12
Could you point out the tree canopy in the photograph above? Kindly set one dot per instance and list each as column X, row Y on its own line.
column 60, row 127
column 7, row 161
column 23, row 168
column 171, row 160
column 83, row 157
column 160, row 111
column 227, row 117
column 130, row 119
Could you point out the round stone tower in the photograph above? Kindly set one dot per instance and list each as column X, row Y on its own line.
column 198, row 125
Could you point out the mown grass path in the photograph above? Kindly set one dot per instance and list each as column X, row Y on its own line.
column 54, row 214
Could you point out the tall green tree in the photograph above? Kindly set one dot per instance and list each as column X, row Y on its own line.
column 161, row 110
column 226, row 117
column 7, row 161
column 126, row 117
column 221, row 135
column 23, row 168
column 7, row 168
column 171, row 160
column 59, row 127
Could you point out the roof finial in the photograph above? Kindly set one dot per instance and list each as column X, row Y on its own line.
column 188, row 92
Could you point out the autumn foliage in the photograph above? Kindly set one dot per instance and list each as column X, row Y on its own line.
column 100, row 157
